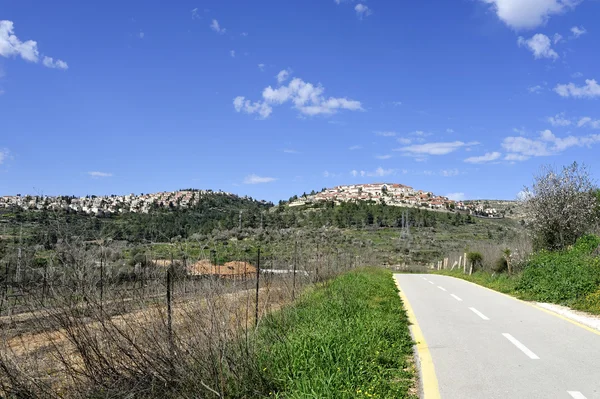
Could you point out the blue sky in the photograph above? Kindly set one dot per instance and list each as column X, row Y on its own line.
column 466, row 98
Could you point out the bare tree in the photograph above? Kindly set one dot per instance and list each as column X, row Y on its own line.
column 561, row 206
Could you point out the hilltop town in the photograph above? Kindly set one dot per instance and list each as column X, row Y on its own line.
column 113, row 204
column 394, row 194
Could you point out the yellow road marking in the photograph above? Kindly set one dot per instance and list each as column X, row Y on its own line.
column 588, row 328
column 429, row 380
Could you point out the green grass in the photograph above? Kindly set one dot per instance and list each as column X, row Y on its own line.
column 346, row 339
column 570, row 277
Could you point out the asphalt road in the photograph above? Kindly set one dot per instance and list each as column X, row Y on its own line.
column 487, row 345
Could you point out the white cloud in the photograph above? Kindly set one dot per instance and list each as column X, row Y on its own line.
column 12, row 46
column 232, row 53
column 362, row 10
column 290, row 151
column 261, row 108
column 282, row 76
column 521, row 148
column 328, row 174
column 255, row 179
column 449, row 172
column 434, row 148
column 50, row 63
column 354, row 148
column 214, row 25
column 306, row 98
column 195, row 14
column 576, row 75
column 386, row 134
column 449, row 130
column 97, row 175
column 557, row 38
column 535, row 89
column 396, row 103
column 3, row 155
column 245, row 34
column 577, row 31
column 515, row 157
column 540, row 45
column 456, row 196
column 261, row 67
column 591, row 89
column 587, row 121
column 558, row 120
column 528, row 14
column 404, row 140
column 383, row 156
column 379, row 172
column 141, row 35
column 488, row 157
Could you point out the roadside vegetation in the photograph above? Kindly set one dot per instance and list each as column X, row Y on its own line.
column 348, row 338
column 561, row 262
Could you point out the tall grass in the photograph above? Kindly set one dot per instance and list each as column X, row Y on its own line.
column 348, row 338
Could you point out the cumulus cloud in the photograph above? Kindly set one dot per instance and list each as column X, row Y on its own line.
column 379, row 172
column 578, row 31
column 449, row 172
column 529, row 14
column 488, row 157
column 442, row 148
column 261, row 67
column 535, row 89
column 586, row 121
column 362, row 11
column 558, row 120
column 456, row 196
column 386, row 134
column 557, row 38
column 255, row 179
column 282, row 76
column 261, row 108
column 522, row 148
column 50, row 63
column 591, row 89
column 3, row 155
column 540, row 45
column 97, row 175
column 214, row 25
column 383, row 156
column 305, row 97
column 12, row 46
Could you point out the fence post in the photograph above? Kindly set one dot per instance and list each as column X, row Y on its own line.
column 294, row 275
column 101, row 281
column 257, row 287
column 169, row 304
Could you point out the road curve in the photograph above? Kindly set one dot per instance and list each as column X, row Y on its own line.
column 487, row 345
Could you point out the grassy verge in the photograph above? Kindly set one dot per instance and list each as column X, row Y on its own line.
column 570, row 277
column 346, row 339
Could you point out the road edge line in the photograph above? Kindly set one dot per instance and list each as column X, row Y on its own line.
column 548, row 311
column 429, row 383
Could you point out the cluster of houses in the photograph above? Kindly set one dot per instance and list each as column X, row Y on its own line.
column 395, row 195
column 113, row 204
column 390, row 194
